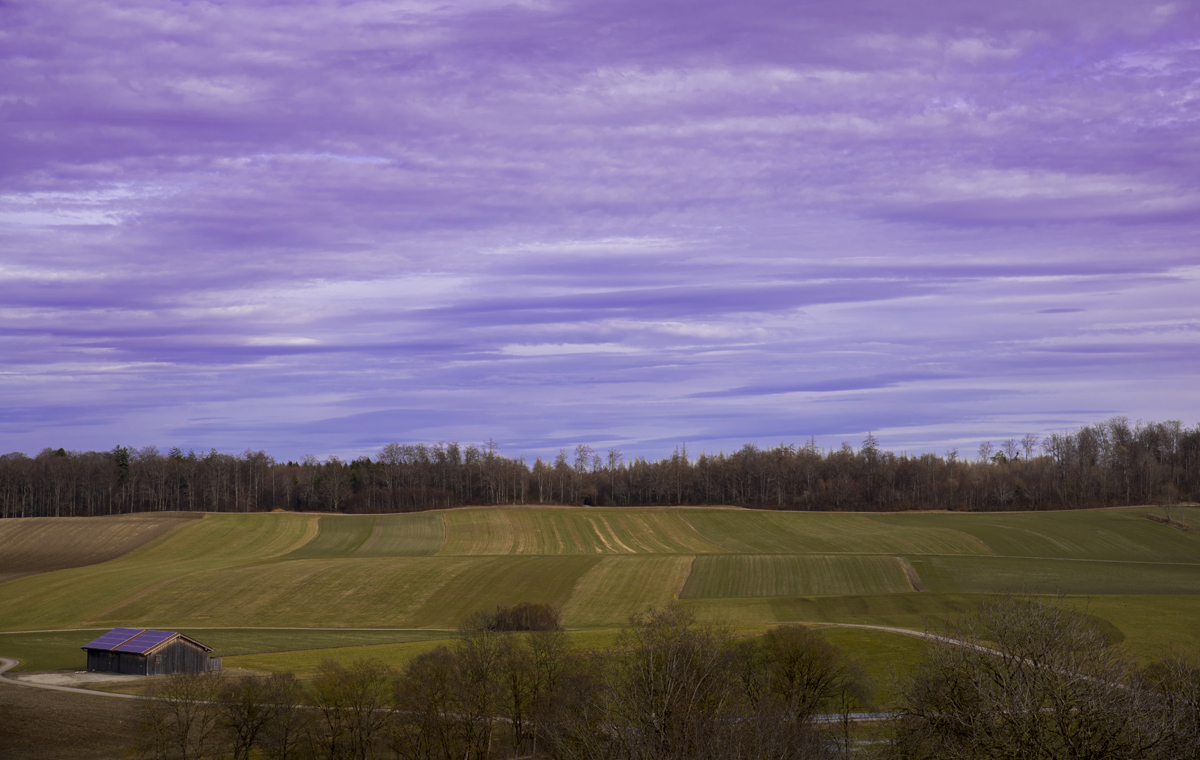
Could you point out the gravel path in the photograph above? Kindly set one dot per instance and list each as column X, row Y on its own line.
column 7, row 663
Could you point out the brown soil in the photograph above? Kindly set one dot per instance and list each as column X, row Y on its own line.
column 32, row 545
column 38, row 724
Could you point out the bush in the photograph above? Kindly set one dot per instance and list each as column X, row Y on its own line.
column 525, row 616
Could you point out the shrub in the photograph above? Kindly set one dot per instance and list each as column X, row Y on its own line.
column 525, row 616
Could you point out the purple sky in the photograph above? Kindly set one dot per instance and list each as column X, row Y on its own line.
column 317, row 228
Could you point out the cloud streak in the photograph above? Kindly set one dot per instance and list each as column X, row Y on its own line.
column 319, row 227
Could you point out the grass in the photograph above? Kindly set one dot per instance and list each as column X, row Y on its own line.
column 1003, row 574
column 725, row 576
column 220, row 539
column 887, row 658
column 410, row 535
column 335, row 593
column 617, row 587
column 472, row 532
column 1107, row 534
column 413, row 535
column 913, row 610
column 431, row 570
column 304, row 663
column 45, row 544
column 753, row 532
column 60, row 650
column 70, row 598
column 490, row 581
column 338, row 536
column 572, row 531
column 1153, row 626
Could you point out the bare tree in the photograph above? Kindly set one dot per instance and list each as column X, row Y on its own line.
column 1011, row 448
column 1168, row 499
column 673, row 682
column 353, row 704
column 1176, row 681
column 1028, row 678
column 985, row 451
column 335, row 481
column 392, row 459
column 426, row 725
column 181, row 720
column 675, row 689
column 1029, row 445
column 288, row 734
column 802, row 670
column 246, row 708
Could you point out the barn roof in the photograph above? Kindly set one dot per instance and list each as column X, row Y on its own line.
column 138, row 640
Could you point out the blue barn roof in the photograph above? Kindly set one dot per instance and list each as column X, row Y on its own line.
column 138, row 640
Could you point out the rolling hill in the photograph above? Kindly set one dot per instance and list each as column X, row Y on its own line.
column 430, row 570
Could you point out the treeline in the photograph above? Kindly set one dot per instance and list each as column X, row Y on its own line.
column 668, row 689
column 1112, row 463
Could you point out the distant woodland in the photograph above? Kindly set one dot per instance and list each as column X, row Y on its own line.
column 1112, row 463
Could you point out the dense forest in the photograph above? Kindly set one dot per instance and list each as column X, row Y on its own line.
column 1107, row 464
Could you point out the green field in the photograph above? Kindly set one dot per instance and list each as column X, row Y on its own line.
column 1056, row 576
column 226, row 577
column 1105, row 534
column 60, row 650
column 474, row 532
column 733, row 575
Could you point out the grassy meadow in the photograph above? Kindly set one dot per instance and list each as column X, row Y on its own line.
column 284, row 591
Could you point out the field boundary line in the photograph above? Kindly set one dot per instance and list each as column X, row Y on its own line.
column 1057, row 559
column 686, row 577
column 910, row 572
column 445, row 534
column 376, row 534
column 311, row 530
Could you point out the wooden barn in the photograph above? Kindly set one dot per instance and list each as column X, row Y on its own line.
column 139, row 652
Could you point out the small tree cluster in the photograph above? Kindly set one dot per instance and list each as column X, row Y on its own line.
column 525, row 616
column 194, row 716
column 1028, row 679
column 674, row 689
column 669, row 689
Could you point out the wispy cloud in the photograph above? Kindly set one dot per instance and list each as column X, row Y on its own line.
column 319, row 228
